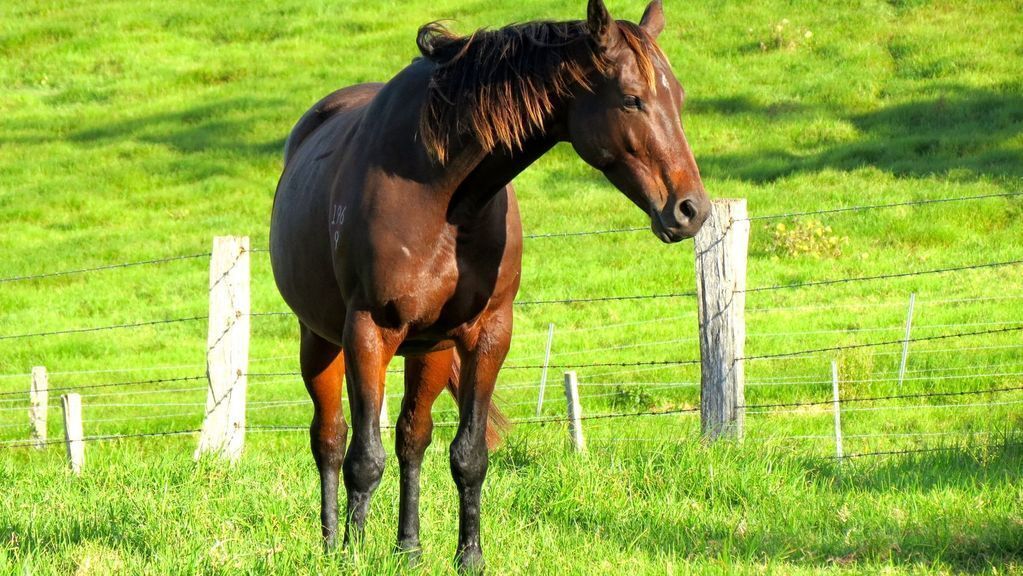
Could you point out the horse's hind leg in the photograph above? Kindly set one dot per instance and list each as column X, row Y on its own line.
column 323, row 368
column 425, row 378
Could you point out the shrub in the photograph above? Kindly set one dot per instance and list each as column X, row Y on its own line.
column 809, row 237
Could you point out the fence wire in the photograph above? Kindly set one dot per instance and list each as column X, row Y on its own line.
column 103, row 267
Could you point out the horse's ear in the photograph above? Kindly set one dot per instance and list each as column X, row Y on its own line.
column 601, row 24
column 653, row 19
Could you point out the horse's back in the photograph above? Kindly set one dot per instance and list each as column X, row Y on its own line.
column 349, row 98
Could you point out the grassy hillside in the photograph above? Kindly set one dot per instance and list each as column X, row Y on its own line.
column 131, row 131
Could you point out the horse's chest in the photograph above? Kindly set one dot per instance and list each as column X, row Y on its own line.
column 436, row 288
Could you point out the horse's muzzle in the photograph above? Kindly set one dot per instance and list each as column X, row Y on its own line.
column 680, row 219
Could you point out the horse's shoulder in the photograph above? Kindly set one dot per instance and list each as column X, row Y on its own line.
column 348, row 98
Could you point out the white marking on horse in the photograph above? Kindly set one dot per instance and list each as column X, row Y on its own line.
column 404, row 250
column 337, row 220
column 664, row 81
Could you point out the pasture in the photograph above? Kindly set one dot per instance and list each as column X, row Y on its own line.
column 135, row 131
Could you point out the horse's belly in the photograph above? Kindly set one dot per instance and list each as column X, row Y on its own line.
column 300, row 250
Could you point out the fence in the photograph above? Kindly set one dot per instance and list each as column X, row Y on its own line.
column 720, row 295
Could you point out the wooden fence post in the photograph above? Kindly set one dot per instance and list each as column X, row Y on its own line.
column 837, row 407
column 543, row 375
column 575, row 412
column 227, row 349
column 905, row 340
column 39, row 397
column 721, row 248
column 72, row 404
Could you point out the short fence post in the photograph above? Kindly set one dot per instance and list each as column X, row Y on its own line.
column 227, row 349
column 543, row 375
column 905, row 340
column 837, row 409
column 39, row 398
column 721, row 249
column 575, row 412
column 385, row 419
column 72, row 404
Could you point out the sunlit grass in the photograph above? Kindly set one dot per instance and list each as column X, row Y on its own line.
column 134, row 131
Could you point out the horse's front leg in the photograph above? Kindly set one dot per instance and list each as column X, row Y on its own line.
column 367, row 350
column 323, row 368
column 425, row 378
column 481, row 361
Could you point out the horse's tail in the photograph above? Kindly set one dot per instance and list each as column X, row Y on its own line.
column 497, row 422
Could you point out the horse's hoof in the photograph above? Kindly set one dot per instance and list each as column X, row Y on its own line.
column 411, row 551
column 470, row 561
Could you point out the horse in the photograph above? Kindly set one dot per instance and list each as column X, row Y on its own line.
column 395, row 231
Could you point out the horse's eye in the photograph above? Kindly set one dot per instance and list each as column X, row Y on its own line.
column 632, row 103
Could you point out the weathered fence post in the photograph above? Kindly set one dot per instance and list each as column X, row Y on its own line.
column 39, row 397
column 837, row 409
column 575, row 412
column 721, row 249
column 543, row 375
column 227, row 350
column 905, row 340
column 72, row 404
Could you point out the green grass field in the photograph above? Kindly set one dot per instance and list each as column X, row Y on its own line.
column 131, row 131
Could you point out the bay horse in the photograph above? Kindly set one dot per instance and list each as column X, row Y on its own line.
column 395, row 231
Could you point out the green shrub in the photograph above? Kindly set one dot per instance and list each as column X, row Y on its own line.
column 809, row 237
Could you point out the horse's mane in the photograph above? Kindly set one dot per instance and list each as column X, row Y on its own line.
column 501, row 86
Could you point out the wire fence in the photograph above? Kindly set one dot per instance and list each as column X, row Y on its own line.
column 14, row 401
column 766, row 408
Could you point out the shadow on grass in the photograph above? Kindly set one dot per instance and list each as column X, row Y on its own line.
column 964, row 131
column 218, row 138
column 226, row 125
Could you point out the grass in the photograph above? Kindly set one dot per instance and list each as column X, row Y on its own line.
column 132, row 131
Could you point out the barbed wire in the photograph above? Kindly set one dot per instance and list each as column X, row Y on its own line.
column 103, row 267
column 867, row 207
column 562, row 419
column 557, row 366
column 881, row 276
column 585, row 233
column 103, row 328
column 1004, row 446
column 145, row 392
column 811, row 283
column 113, row 370
column 861, row 399
column 816, row 378
column 889, row 408
column 149, row 417
column 893, row 379
column 691, row 294
column 875, row 435
column 889, row 304
column 99, row 438
column 771, row 356
column 934, row 406
column 536, row 236
column 110, row 385
column 140, row 404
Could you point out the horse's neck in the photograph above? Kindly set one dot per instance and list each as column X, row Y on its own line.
column 484, row 175
column 471, row 176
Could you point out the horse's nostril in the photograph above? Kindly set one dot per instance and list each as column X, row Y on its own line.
column 688, row 209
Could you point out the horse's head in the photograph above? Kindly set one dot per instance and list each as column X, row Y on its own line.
column 628, row 124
